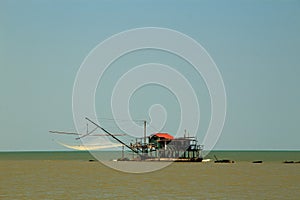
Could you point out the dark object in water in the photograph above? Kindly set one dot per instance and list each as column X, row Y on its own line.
column 123, row 159
column 257, row 161
column 223, row 160
column 92, row 160
column 289, row 161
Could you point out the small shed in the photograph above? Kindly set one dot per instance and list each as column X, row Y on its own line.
column 160, row 139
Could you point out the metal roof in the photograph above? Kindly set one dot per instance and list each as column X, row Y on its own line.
column 164, row 135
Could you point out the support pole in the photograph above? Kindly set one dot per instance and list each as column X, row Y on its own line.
column 145, row 133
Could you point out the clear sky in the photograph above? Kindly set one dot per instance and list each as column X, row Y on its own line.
column 255, row 44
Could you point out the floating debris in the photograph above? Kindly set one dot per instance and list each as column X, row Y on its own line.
column 257, row 161
column 223, row 160
column 288, row 162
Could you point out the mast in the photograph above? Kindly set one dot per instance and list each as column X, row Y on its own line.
column 87, row 128
column 145, row 133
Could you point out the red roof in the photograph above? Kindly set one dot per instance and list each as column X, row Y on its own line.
column 164, row 135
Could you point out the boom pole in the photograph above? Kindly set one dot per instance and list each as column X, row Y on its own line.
column 135, row 151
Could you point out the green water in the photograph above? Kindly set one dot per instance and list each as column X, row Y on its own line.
column 266, row 156
column 70, row 175
column 45, row 155
column 256, row 155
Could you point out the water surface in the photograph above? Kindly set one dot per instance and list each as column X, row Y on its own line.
column 69, row 175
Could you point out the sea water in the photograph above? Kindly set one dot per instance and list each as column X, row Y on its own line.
column 70, row 175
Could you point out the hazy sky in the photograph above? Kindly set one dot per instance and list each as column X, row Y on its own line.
column 255, row 44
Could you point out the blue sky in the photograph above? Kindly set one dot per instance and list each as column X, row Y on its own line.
column 255, row 44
